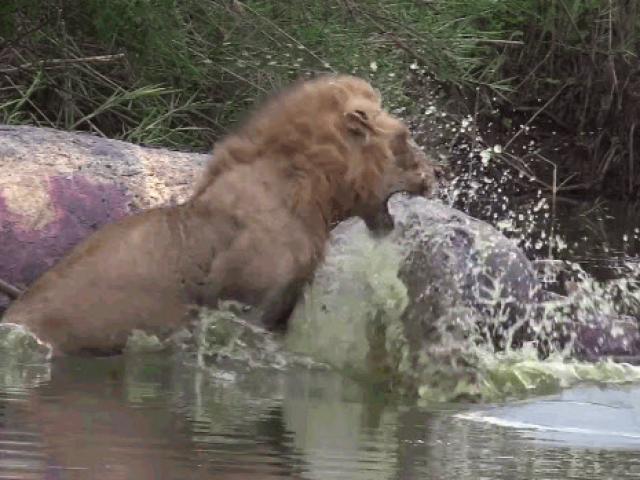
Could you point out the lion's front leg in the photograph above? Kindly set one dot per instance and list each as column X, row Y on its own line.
column 278, row 305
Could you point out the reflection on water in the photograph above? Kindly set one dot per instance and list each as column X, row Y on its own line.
column 152, row 417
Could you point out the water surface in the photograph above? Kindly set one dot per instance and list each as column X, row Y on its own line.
column 151, row 416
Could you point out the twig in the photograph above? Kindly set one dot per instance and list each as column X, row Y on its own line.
column 535, row 115
column 59, row 62
column 566, row 180
column 632, row 132
column 9, row 290
column 603, row 167
column 512, row 161
column 489, row 41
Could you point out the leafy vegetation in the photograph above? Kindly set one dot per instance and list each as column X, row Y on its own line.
column 554, row 81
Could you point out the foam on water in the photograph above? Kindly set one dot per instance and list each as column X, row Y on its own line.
column 518, row 372
column 19, row 343
column 24, row 358
column 503, row 422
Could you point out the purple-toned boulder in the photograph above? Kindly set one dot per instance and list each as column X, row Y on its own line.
column 58, row 187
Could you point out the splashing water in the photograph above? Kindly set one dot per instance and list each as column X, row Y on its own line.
column 355, row 292
column 427, row 337
column 225, row 343
column 409, row 310
column 19, row 344
column 223, row 337
column 364, row 315
column 26, row 360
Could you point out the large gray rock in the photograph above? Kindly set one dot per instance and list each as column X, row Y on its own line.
column 452, row 260
column 57, row 187
column 439, row 285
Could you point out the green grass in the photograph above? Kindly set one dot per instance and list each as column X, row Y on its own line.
column 189, row 69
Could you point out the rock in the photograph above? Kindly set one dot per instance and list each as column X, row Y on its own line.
column 615, row 337
column 58, row 187
column 451, row 261
column 442, row 281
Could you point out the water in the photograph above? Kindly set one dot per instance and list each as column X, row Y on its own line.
column 152, row 417
column 232, row 403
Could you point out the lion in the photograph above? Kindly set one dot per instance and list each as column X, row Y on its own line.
column 253, row 231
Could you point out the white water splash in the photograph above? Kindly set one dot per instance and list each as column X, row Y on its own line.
column 354, row 315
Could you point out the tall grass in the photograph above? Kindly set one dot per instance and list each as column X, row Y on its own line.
column 166, row 72
column 179, row 73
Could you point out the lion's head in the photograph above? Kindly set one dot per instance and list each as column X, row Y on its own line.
column 390, row 160
column 334, row 148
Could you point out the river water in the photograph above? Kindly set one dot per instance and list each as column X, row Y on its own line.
column 266, row 415
column 148, row 417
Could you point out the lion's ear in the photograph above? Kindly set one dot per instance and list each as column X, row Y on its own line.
column 359, row 124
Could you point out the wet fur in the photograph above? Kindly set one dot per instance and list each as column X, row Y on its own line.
column 254, row 230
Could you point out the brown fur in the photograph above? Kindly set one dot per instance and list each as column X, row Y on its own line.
column 254, row 230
